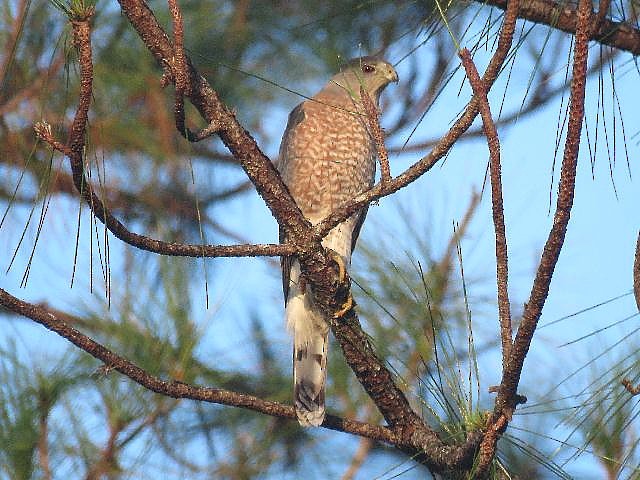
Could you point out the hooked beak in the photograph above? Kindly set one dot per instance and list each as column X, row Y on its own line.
column 391, row 74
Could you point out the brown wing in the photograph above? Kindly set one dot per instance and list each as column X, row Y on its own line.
column 358, row 226
column 295, row 118
column 285, row 264
column 363, row 213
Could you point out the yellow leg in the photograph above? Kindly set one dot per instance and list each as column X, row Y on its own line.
column 346, row 306
column 342, row 269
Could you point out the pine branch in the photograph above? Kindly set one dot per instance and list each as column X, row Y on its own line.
column 564, row 17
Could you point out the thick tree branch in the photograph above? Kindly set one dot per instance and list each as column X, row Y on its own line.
column 175, row 389
column 564, row 16
column 316, row 264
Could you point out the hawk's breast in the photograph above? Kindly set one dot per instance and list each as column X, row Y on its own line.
column 328, row 157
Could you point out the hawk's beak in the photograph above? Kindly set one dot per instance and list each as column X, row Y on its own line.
column 391, row 74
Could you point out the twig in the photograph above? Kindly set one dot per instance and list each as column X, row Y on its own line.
column 502, row 269
column 377, row 134
column 505, row 402
column 180, row 71
column 563, row 16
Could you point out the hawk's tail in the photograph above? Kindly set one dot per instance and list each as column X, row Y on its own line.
column 309, row 376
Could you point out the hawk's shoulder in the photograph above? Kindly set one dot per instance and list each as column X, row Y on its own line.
column 295, row 118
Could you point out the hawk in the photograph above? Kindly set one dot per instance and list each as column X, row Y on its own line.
column 327, row 157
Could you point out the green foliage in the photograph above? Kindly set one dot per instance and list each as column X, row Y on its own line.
column 29, row 393
column 75, row 9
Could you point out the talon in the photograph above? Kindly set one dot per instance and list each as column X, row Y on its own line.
column 346, row 306
column 342, row 269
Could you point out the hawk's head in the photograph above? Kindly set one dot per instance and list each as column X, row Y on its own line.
column 372, row 73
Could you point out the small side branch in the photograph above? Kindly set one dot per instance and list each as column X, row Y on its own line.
column 377, row 134
column 496, row 426
column 502, row 269
column 443, row 146
column 180, row 70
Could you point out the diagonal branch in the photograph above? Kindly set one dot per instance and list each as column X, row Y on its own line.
column 43, row 131
column 175, row 389
column 506, row 400
column 502, row 263
column 496, row 426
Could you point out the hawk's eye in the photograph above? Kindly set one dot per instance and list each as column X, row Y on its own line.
column 368, row 68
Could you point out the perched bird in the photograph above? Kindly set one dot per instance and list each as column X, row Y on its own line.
column 327, row 157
